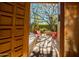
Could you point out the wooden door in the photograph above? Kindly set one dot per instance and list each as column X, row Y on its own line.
column 71, row 30
column 13, row 29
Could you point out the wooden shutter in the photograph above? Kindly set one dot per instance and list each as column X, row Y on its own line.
column 12, row 27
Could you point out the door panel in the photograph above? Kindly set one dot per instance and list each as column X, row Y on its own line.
column 12, row 22
column 71, row 17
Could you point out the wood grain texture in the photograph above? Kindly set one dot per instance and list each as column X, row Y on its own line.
column 12, row 17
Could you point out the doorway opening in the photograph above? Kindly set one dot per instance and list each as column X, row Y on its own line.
column 44, row 36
